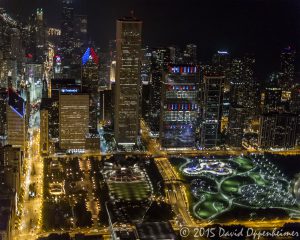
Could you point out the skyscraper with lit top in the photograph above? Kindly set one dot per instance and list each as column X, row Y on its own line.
column 15, row 115
column 179, row 107
column 90, row 82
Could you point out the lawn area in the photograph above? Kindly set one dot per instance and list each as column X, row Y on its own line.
column 132, row 191
column 245, row 164
column 258, row 179
column 213, row 204
column 232, row 185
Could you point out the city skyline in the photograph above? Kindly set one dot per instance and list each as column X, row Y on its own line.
column 149, row 119
column 259, row 27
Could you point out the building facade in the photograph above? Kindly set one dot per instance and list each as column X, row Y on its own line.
column 127, row 89
column 278, row 130
column 179, row 107
column 212, row 101
column 236, row 126
column 73, row 121
column 287, row 67
column 15, row 115
column 90, row 83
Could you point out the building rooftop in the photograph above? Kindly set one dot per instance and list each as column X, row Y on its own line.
column 5, row 213
column 4, row 219
column 131, row 18
column 155, row 231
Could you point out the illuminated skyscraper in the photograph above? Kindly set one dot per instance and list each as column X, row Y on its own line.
column 106, row 106
column 15, row 113
column 127, row 105
column 174, row 54
column 67, row 30
column 155, row 98
column 146, row 65
column 278, row 130
column 190, row 54
column 221, row 64
column 90, row 84
column 73, row 121
column 105, row 70
column 158, row 63
column 80, row 30
column 34, row 77
column 37, row 38
column 272, row 99
column 49, row 113
column 221, row 60
column 243, row 88
column 59, row 86
column 112, row 63
column 180, row 110
column 213, row 89
column 295, row 107
column 295, row 99
column 236, row 126
column 287, row 64
column 3, row 120
column 160, row 60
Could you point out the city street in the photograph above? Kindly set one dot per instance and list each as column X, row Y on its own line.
column 92, row 202
column 31, row 207
column 175, row 190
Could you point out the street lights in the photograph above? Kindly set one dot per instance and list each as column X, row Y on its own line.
column 114, row 236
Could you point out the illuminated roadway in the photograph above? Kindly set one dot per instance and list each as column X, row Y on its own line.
column 91, row 201
column 31, row 219
column 174, row 189
column 30, row 223
column 31, row 209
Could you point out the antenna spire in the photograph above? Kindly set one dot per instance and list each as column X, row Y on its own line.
column 132, row 13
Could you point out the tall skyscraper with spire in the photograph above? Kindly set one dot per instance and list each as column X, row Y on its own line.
column 67, row 29
column 127, row 105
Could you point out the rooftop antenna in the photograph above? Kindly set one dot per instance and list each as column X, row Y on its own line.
column 132, row 13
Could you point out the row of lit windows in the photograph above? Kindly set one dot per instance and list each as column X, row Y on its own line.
column 184, row 126
column 182, row 94
column 184, row 107
column 183, row 69
column 181, row 87
column 179, row 116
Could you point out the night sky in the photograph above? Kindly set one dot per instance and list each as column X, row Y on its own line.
column 262, row 27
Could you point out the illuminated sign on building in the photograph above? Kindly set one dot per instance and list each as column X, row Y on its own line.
column 90, row 54
column 182, row 107
column 223, row 52
column 57, row 59
column 16, row 102
column 183, row 69
column 64, row 90
column 182, row 87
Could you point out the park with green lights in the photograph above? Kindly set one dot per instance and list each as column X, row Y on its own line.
column 234, row 185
